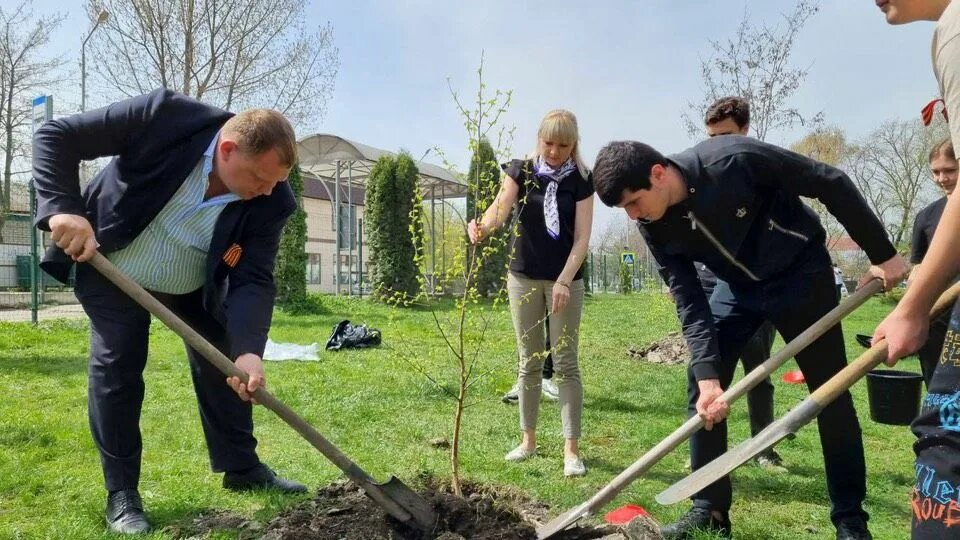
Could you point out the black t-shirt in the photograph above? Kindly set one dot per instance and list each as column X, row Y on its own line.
column 923, row 228
column 536, row 255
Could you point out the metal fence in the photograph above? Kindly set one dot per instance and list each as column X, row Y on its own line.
column 26, row 293
column 604, row 271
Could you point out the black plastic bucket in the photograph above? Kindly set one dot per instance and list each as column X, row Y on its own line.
column 894, row 396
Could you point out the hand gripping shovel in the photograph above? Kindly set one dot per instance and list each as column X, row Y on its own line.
column 393, row 496
column 800, row 416
column 694, row 423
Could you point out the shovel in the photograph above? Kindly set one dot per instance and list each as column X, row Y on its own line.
column 394, row 496
column 800, row 416
column 694, row 423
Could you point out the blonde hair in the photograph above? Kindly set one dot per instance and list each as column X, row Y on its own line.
column 560, row 126
column 260, row 130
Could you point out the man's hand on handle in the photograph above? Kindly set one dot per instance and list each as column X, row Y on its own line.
column 709, row 405
column 253, row 366
column 892, row 272
column 904, row 331
column 74, row 235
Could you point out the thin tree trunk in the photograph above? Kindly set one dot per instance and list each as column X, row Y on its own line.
column 188, row 47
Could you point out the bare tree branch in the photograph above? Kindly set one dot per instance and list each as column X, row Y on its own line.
column 755, row 65
column 235, row 55
column 25, row 71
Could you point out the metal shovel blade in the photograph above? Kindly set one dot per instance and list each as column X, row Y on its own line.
column 723, row 465
column 563, row 521
column 419, row 509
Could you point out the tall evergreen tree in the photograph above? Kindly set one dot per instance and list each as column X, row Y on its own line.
column 291, row 271
column 392, row 227
column 484, row 183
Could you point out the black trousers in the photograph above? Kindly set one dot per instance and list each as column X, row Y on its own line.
column 760, row 397
column 792, row 304
column 119, row 332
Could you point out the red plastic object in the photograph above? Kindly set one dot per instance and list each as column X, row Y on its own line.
column 624, row 514
column 794, row 377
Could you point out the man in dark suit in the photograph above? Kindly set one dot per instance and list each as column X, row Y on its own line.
column 191, row 206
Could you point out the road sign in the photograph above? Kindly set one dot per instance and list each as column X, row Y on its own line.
column 628, row 258
column 42, row 110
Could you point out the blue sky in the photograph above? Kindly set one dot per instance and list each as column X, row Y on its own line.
column 626, row 68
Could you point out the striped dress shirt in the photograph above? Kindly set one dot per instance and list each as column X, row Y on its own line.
column 170, row 255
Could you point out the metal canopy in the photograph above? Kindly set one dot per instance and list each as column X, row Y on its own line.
column 321, row 155
column 336, row 169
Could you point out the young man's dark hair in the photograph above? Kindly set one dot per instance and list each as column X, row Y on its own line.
column 624, row 165
column 734, row 107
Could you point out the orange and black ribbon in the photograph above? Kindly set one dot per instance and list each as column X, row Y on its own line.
column 232, row 256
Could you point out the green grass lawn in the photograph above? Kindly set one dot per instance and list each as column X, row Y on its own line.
column 383, row 413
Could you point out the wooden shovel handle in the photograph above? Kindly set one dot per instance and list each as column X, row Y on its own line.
column 873, row 356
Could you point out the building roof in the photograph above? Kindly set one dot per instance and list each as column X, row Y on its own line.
column 321, row 155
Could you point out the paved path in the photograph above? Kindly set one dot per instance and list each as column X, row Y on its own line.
column 47, row 313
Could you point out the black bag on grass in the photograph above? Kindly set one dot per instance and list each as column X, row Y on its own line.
column 346, row 335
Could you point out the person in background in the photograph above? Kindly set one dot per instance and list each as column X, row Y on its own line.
column 547, row 388
column 943, row 168
column 555, row 198
column 731, row 116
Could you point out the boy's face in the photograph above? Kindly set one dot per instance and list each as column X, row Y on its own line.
column 727, row 126
column 907, row 11
column 647, row 204
column 944, row 171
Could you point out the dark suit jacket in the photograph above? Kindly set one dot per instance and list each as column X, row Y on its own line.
column 156, row 140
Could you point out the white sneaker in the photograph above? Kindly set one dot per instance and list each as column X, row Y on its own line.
column 520, row 454
column 573, row 466
column 549, row 390
column 512, row 395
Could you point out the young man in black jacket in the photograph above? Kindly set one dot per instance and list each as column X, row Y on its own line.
column 733, row 203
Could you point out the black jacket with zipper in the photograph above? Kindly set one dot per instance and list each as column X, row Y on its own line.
column 744, row 219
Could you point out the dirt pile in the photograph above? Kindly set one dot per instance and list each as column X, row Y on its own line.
column 341, row 511
column 671, row 349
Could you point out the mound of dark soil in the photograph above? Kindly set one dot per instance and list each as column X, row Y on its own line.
column 341, row 511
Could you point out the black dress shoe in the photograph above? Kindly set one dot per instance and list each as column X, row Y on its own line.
column 697, row 519
column 853, row 529
column 125, row 512
column 260, row 477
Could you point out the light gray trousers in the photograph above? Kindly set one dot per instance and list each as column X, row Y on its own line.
column 529, row 300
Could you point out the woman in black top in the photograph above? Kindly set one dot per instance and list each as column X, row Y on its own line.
column 555, row 212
